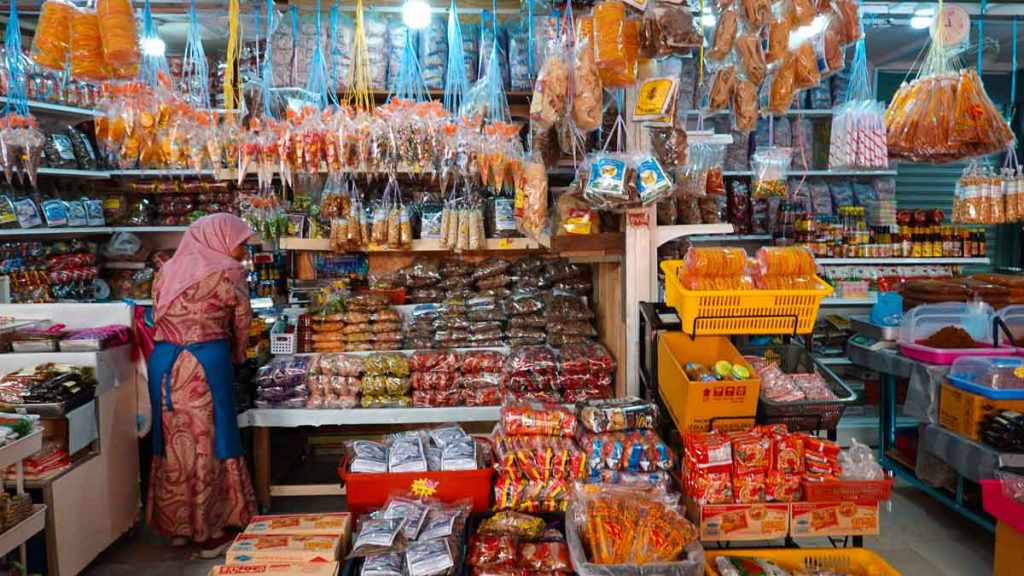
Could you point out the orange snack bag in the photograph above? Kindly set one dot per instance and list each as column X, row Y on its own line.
column 86, row 47
column 118, row 33
column 53, row 34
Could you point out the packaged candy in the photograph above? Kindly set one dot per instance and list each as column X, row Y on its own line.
column 771, row 169
column 618, row 415
column 117, row 31
column 53, row 34
column 524, row 418
column 378, row 536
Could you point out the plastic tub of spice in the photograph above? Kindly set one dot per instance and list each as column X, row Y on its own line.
column 941, row 333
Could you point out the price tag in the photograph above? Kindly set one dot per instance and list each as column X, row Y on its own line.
column 506, row 244
column 639, row 219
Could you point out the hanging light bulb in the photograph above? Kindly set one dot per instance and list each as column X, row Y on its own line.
column 153, row 46
column 416, row 14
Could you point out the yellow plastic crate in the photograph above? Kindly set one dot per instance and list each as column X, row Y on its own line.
column 732, row 312
column 857, row 561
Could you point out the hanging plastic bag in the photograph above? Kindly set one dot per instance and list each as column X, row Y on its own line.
column 771, row 170
column 656, row 99
column 652, row 182
column 86, row 46
column 551, row 91
column 587, row 98
column 725, row 34
column 669, row 29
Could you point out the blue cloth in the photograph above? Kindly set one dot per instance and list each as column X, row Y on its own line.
column 215, row 358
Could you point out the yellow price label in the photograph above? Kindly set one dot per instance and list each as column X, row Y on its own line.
column 1019, row 372
column 506, row 243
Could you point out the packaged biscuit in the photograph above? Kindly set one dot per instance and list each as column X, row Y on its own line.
column 277, row 569
column 269, row 548
column 335, row 523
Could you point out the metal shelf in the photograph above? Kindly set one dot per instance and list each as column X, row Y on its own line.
column 819, row 173
column 426, row 245
column 150, row 229
column 9, row 232
column 839, row 302
column 72, row 173
column 58, row 110
column 732, row 238
column 899, row 261
column 293, row 418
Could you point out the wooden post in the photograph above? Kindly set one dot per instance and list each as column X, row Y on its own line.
column 261, row 464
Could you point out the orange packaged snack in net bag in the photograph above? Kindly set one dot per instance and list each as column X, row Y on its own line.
column 86, row 47
column 53, row 34
column 118, row 33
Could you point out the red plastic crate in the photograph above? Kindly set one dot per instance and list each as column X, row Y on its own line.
column 849, row 490
column 365, row 491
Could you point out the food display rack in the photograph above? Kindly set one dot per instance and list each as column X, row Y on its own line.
column 84, row 527
column 12, row 454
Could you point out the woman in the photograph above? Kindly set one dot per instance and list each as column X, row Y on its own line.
column 200, row 487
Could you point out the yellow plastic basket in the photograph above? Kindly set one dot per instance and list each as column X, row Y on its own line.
column 857, row 561
column 732, row 312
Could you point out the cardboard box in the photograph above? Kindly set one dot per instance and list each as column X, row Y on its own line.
column 283, row 548
column 735, row 522
column 333, row 524
column 813, row 519
column 962, row 412
column 284, row 569
column 701, row 406
column 1009, row 551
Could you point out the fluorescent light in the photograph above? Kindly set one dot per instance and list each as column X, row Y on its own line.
column 924, row 12
column 153, row 47
column 416, row 14
column 707, row 20
column 921, row 22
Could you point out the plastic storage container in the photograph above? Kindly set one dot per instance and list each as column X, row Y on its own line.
column 371, row 490
column 1009, row 329
column 734, row 312
column 925, row 320
column 852, row 560
column 1000, row 378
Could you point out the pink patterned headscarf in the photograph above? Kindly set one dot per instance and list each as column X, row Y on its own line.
column 205, row 248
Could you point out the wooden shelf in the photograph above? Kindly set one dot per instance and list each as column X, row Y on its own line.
column 427, row 245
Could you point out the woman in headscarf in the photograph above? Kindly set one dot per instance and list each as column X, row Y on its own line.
column 200, row 488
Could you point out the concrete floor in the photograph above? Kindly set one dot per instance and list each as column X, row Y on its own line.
column 919, row 538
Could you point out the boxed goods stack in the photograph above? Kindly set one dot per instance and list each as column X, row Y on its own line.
column 334, row 381
column 287, row 545
column 385, row 381
column 536, row 457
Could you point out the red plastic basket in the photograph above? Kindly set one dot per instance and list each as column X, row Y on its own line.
column 849, row 490
column 365, row 491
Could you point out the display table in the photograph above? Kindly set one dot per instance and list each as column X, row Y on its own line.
column 95, row 501
column 968, row 459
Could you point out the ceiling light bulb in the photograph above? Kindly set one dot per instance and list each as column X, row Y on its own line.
column 707, row 20
column 416, row 14
column 153, row 47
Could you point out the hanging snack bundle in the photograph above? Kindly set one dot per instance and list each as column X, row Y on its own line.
column 53, row 34
column 86, row 45
column 725, row 34
column 944, row 115
column 117, row 31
